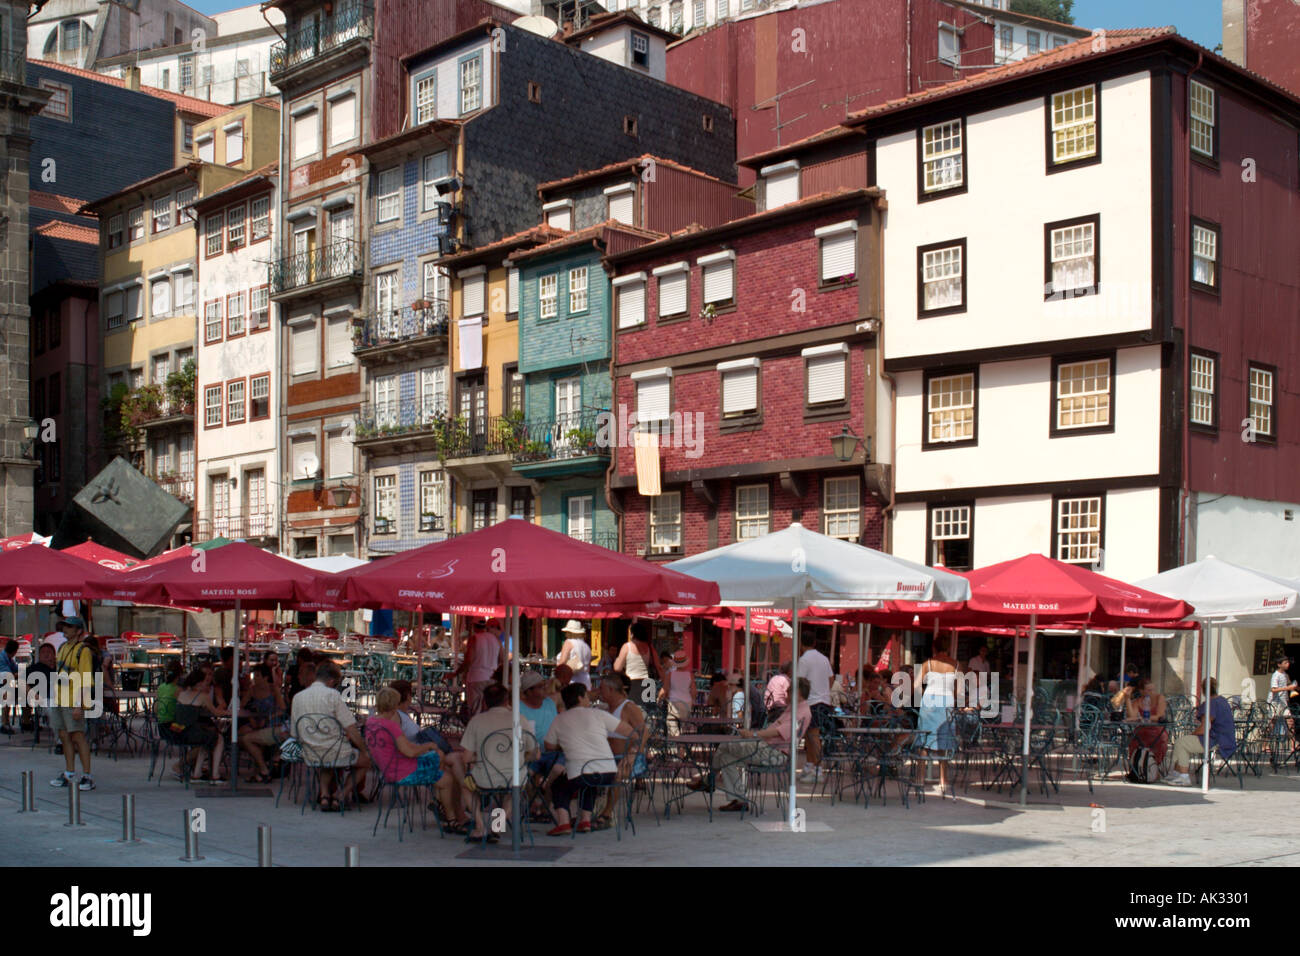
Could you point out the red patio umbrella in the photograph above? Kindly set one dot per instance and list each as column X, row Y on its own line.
column 22, row 540
column 40, row 574
column 103, row 556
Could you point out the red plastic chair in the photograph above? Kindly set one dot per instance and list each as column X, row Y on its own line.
column 130, row 636
column 165, row 638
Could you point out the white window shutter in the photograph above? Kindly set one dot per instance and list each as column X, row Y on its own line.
column 340, row 455
column 631, row 304
column 304, row 348
column 339, row 341
column 622, row 207
column 839, row 256
column 672, row 293
column 652, row 399
column 472, row 293
column 781, row 188
column 512, row 291
column 719, row 282
column 826, row 378
column 561, row 218
column 739, row 391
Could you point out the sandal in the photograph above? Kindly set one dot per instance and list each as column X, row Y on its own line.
column 260, row 778
column 603, row 823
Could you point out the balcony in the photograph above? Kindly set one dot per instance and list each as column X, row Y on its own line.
column 606, row 539
column 484, row 449
column 149, row 406
column 419, row 329
column 322, row 42
column 179, row 486
column 384, row 429
column 334, row 264
column 258, row 524
column 565, row 445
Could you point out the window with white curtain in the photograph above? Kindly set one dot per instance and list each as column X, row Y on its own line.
column 388, row 195
column 386, row 503
column 433, row 392
column 753, row 517
column 941, row 278
column 1205, row 256
column 386, row 401
column 942, row 156
column 1074, row 257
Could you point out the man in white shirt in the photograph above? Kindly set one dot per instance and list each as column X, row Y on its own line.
column 1280, row 686
column 815, row 666
column 979, row 664
column 319, row 737
column 583, row 733
column 482, row 658
column 491, row 758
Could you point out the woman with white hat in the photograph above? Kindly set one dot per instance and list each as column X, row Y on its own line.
column 576, row 653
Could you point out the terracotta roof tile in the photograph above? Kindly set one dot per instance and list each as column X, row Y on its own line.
column 70, row 231
column 587, row 235
column 535, row 234
column 55, row 203
column 189, row 104
column 633, row 162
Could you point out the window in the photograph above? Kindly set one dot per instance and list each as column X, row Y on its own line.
column 578, row 289
column 1073, row 133
column 512, row 291
column 666, row 523
column 548, row 296
column 338, row 340
column 235, row 314
column 1084, row 395
column 187, row 71
column 780, row 184
column 434, row 168
column 60, row 102
column 673, row 289
column 342, row 118
column 38, row 333
column 306, row 133
column 1006, row 41
column 436, row 282
column 620, row 203
column 523, row 503
column 184, row 291
column 235, row 217
column 471, row 84
column 388, row 195
column 629, row 297
column 740, row 388
column 385, row 504
column 160, row 297
column 1072, row 264
column 841, row 508
column 1078, row 530
column 342, row 225
column 949, row 46
column 580, row 509
column 838, row 251
column 629, row 124
column 718, row 278
column 1260, row 404
column 826, row 372
column 259, row 397
column 1058, row 42
column 213, row 227
column 1205, row 256
column 433, row 392
column 259, row 214
column 752, row 517
column 235, row 402
column 559, row 213
column 952, row 544
column 338, row 451
column 677, row 15
column 432, row 500
column 942, row 278
column 652, row 16
column 184, row 203
column 473, row 287
column 386, row 401
column 234, row 143
column 134, row 304
column 640, row 50
column 304, row 348
column 483, row 508
column 514, row 383
column 697, row 14
column 653, row 394
column 1034, row 41
column 723, row 9
column 1203, row 102
column 166, row 79
column 115, row 234
column 208, row 147
column 137, row 378
column 212, row 406
column 950, row 408
column 943, row 157
column 426, row 98
column 135, row 223
column 258, row 309
column 1204, row 385
column 212, row 321
column 161, row 368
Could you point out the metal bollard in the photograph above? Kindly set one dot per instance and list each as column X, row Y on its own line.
column 26, row 803
column 31, row 791
column 74, row 805
column 128, row 819
column 191, row 839
column 263, row 844
column 351, row 855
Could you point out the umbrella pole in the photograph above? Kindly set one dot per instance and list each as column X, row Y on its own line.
column 419, row 658
column 748, row 638
column 512, row 622
column 1205, row 696
column 1029, row 709
column 234, row 709
column 864, row 643
column 1123, row 646
column 794, row 709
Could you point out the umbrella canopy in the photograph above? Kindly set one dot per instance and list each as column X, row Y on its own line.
column 103, row 556
column 217, row 542
column 22, row 541
column 521, row 564
column 802, row 565
column 1229, row 592
column 330, row 564
column 41, row 574
column 216, row 579
column 1053, row 591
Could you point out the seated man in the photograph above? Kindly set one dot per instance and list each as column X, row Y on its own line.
column 730, row 760
column 491, row 762
column 319, row 747
column 541, row 709
column 1223, row 734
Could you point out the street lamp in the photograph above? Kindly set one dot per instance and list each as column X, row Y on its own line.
column 341, row 495
column 30, row 430
column 846, row 443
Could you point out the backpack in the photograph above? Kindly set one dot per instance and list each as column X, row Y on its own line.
column 1142, row 766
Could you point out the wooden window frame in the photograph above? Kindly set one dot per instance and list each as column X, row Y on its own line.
column 1060, row 360
column 930, row 376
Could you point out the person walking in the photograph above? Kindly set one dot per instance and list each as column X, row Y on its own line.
column 636, row 660
column 576, row 653
column 77, row 664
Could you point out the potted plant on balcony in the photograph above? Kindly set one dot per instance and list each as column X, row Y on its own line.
column 430, row 521
column 180, row 388
column 709, row 312
column 581, row 440
column 143, row 404
column 511, row 431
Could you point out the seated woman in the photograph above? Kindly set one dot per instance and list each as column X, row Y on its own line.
column 408, row 763
column 195, row 722
column 583, row 733
column 1142, row 702
column 451, row 759
column 266, row 706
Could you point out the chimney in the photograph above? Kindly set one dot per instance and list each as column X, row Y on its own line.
column 132, row 76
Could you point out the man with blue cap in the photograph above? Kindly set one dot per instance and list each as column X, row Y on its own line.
column 75, row 688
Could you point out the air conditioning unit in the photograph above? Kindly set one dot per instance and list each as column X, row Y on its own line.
column 445, row 211
column 447, row 245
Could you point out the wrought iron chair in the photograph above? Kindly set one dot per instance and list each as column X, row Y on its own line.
column 330, row 752
column 381, row 741
column 493, row 784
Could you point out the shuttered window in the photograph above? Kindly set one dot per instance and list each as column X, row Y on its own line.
column 304, row 348
column 472, row 294
column 631, row 304
column 622, row 205
column 825, row 374
column 719, row 278
column 839, row 252
column 781, row 188
column 672, row 292
column 338, row 344
column 739, row 387
column 340, row 455
column 512, row 290
column 653, row 398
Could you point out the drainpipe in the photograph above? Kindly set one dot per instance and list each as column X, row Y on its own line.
column 908, row 90
column 1187, row 325
column 613, row 457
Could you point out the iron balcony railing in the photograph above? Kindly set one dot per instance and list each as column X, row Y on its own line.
column 606, row 539
column 258, row 524
column 339, row 259
column 317, row 38
column 451, row 437
column 178, row 486
column 409, row 324
column 390, row 420
column 565, row 436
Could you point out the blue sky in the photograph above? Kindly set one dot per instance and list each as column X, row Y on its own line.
column 1199, row 20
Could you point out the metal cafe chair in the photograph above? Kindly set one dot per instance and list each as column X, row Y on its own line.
column 324, row 757
column 494, row 763
column 382, row 744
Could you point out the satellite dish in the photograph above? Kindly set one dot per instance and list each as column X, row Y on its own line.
column 308, row 465
column 542, row 26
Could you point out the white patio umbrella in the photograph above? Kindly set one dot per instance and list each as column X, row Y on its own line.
column 1223, row 594
column 804, row 568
